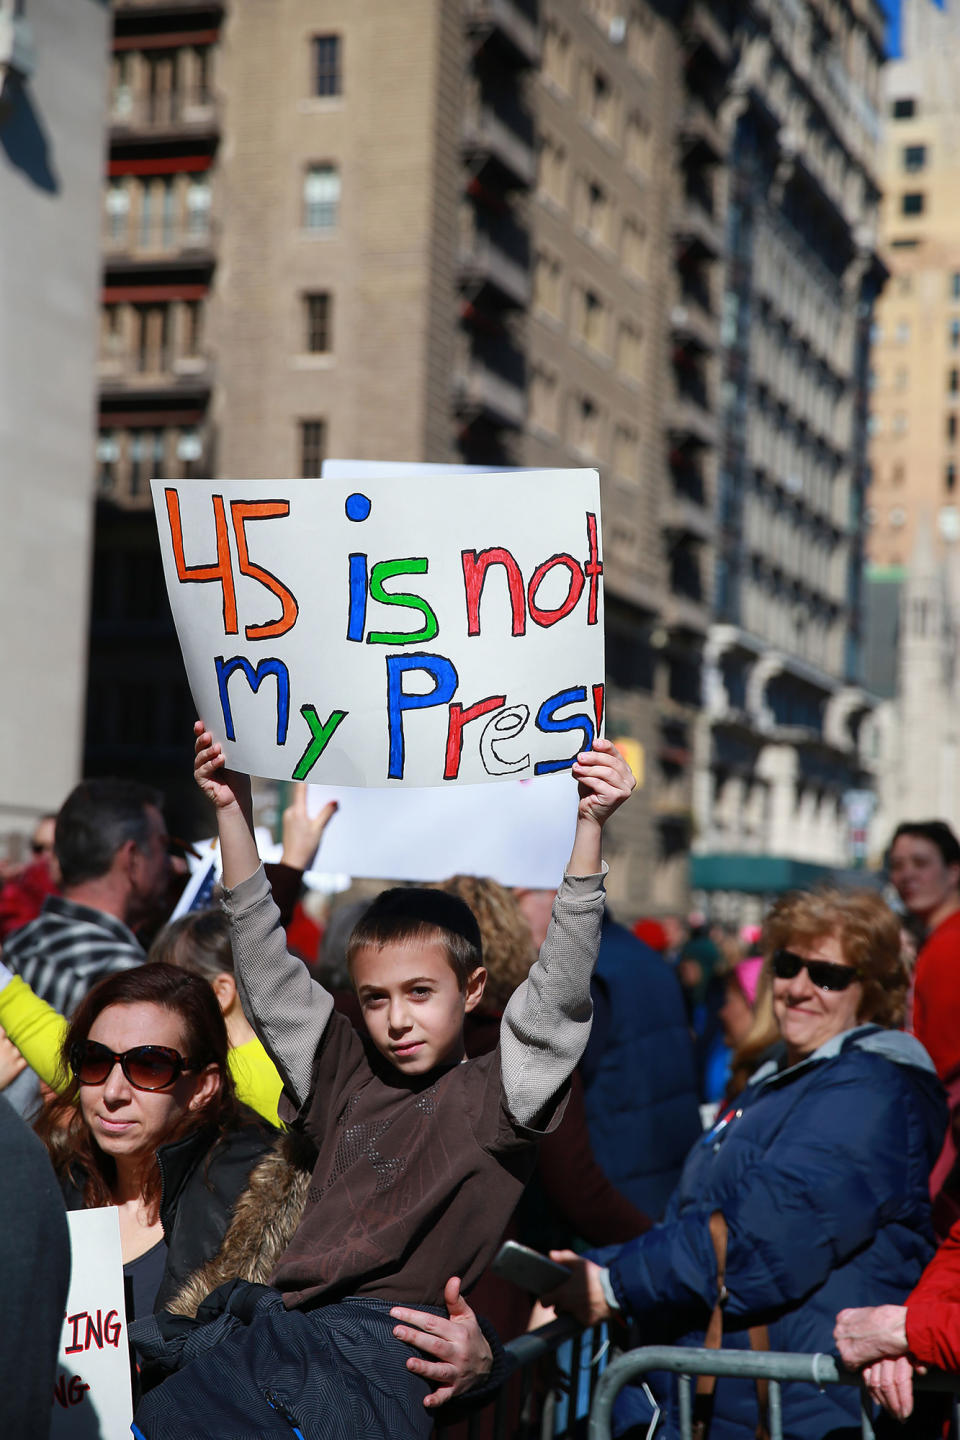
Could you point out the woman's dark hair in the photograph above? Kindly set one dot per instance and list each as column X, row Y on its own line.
column 938, row 832
column 199, row 942
column 61, row 1125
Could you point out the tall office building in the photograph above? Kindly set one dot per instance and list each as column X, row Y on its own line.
column 484, row 231
column 913, row 537
column 52, row 88
column 781, row 752
column 915, row 390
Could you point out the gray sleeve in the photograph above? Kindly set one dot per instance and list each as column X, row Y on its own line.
column 546, row 1024
column 288, row 1010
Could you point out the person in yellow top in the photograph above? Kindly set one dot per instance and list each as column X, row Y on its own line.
column 198, row 942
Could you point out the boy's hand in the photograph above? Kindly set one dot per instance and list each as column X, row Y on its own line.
column 457, row 1347
column 221, row 786
column 604, row 780
column 302, row 832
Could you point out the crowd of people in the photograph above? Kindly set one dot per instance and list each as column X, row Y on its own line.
column 740, row 1138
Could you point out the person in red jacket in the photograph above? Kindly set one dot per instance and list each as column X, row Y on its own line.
column 895, row 1342
column 924, row 865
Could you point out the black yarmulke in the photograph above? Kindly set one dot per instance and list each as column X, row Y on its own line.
column 432, row 907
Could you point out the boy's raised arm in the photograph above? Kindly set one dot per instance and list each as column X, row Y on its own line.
column 547, row 1021
column 288, row 1009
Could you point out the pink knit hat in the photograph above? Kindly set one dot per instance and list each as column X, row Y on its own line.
column 748, row 976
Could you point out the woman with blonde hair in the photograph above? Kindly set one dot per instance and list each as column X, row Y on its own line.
column 809, row 1195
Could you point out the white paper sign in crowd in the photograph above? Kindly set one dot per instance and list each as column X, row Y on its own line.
column 91, row 1396
column 385, row 632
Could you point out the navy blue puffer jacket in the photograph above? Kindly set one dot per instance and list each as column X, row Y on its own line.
column 821, row 1174
column 639, row 1073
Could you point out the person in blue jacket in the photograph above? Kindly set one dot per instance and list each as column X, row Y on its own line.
column 819, row 1172
column 639, row 1071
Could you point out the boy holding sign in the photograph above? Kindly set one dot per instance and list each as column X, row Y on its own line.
column 422, row 1155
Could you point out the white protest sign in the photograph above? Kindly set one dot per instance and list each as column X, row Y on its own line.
column 91, row 1396
column 385, row 633
column 519, row 834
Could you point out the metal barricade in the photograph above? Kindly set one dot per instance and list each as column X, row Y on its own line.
column 547, row 1395
column 773, row 1366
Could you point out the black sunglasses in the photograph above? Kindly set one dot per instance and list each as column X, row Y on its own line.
column 147, row 1067
column 823, row 973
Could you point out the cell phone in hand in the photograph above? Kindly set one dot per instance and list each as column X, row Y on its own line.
column 528, row 1268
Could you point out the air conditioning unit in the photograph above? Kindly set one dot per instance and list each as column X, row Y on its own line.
column 617, row 30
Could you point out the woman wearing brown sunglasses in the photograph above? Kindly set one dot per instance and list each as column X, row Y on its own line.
column 150, row 1123
column 810, row 1192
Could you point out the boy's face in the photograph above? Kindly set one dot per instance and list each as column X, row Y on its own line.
column 412, row 1004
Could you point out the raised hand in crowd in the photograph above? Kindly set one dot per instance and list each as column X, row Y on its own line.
column 303, row 832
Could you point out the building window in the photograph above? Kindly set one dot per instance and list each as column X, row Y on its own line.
column 912, row 203
column 192, row 327
column 327, row 79
column 556, row 56
column 313, row 434
column 634, row 248
column 953, row 382
column 952, row 427
column 118, row 208
column 138, row 465
column 319, row 318
column 629, row 351
column 591, row 320
column 108, row 455
column 321, row 197
column 637, row 139
column 899, row 423
column 151, row 338
column 190, row 452
column 600, row 102
column 548, row 284
column 543, row 401
column 552, row 177
column 955, row 285
column 902, row 332
column 585, row 425
column 904, row 109
column 914, row 158
column 198, row 208
column 625, row 450
column 898, row 474
column 898, row 517
column 950, row 476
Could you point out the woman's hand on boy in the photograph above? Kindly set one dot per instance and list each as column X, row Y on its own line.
column 460, row 1355
column 221, row 786
column 604, row 781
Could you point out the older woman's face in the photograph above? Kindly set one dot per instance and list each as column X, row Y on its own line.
column 807, row 1015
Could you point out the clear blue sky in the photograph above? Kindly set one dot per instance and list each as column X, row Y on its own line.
column 892, row 8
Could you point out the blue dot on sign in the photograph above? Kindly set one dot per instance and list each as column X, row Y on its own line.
column 357, row 507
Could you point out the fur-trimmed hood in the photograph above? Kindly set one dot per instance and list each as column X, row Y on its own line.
column 262, row 1225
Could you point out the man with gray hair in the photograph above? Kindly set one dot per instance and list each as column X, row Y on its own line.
column 111, row 845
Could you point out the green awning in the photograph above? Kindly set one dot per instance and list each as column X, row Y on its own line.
column 757, row 874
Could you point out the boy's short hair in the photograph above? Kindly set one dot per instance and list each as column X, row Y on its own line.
column 408, row 914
